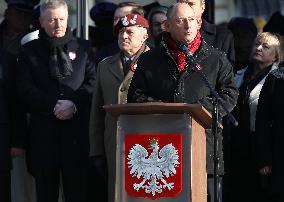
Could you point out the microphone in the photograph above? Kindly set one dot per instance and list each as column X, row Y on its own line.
column 182, row 46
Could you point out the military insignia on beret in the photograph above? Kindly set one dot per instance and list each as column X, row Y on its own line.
column 133, row 20
column 124, row 21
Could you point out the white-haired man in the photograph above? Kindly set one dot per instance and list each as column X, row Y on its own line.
column 56, row 75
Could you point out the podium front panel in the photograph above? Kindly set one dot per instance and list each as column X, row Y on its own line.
column 153, row 158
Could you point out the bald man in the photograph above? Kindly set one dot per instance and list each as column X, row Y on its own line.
column 163, row 74
column 217, row 36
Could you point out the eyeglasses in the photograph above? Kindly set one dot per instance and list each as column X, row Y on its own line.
column 183, row 21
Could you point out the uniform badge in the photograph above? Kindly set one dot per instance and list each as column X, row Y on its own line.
column 124, row 21
column 133, row 66
column 72, row 55
column 153, row 165
column 133, row 20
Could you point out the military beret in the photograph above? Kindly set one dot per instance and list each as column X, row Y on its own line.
column 131, row 20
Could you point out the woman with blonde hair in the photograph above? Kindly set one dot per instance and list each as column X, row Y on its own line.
column 269, row 133
column 265, row 57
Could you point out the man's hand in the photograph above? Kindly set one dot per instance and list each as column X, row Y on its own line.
column 64, row 109
column 17, row 152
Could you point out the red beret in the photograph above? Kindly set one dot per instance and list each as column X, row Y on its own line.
column 131, row 20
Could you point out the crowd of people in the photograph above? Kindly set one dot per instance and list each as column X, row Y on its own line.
column 58, row 144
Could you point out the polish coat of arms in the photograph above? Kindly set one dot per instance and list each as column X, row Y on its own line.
column 154, row 170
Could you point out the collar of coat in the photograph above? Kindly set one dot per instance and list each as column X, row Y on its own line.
column 278, row 73
column 114, row 58
column 208, row 27
column 114, row 65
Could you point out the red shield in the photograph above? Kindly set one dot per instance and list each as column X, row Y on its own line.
column 153, row 165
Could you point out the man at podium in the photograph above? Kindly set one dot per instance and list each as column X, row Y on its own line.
column 168, row 74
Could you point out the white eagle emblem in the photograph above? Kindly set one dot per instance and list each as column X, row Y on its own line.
column 133, row 20
column 124, row 21
column 154, row 168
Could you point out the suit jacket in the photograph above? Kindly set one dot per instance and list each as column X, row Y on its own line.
column 111, row 88
column 53, row 142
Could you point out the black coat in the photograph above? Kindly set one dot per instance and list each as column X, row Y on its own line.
column 270, row 127
column 219, row 37
column 12, row 118
column 157, row 77
column 53, row 142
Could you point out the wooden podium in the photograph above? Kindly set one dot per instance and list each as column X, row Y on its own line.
column 178, row 125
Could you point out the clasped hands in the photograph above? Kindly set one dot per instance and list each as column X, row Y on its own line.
column 64, row 109
column 266, row 170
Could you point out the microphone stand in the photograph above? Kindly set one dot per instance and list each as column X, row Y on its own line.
column 215, row 114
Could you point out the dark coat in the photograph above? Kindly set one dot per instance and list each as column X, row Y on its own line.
column 242, row 138
column 157, row 77
column 11, row 130
column 111, row 88
column 53, row 142
column 219, row 37
column 269, row 128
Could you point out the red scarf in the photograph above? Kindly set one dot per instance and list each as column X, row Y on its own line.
column 179, row 56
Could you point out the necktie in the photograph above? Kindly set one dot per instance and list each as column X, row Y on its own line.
column 126, row 66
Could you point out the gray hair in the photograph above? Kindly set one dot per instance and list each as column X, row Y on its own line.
column 52, row 4
column 186, row 1
column 171, row 10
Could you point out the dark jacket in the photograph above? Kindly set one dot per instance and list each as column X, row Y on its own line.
column 269, row 128
column 53, row 142
column 12, row 120
column 157, row 77
column 219, row 37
